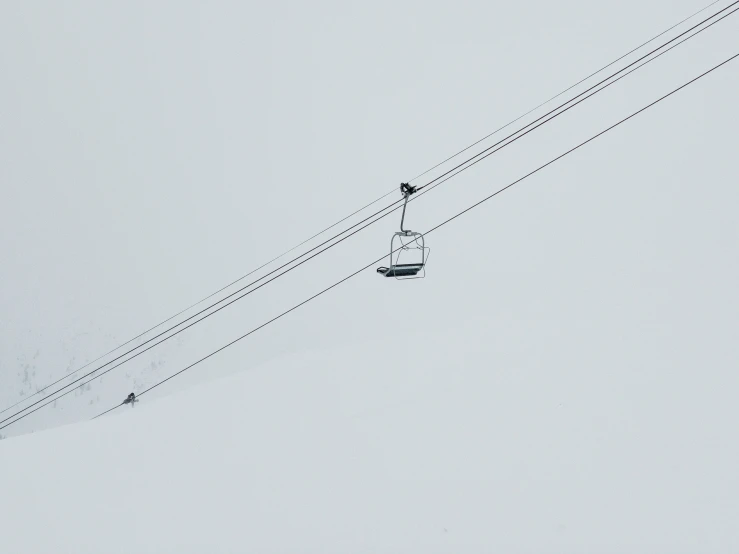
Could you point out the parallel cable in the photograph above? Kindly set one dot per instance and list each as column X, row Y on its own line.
column 435, row 183
column 597, row 84
column 491, row 152
column 68, row 385
column 355, row 212
column 285, row 253
column 655, row 37
column 108, row 410
column 438, row 226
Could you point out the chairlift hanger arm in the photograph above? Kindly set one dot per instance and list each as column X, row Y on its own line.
column 406, row 190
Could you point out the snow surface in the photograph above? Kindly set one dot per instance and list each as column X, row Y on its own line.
column 341, row 451
column 572, row 390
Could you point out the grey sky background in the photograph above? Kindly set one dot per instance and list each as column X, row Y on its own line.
column 565, row 377
column 151, row 154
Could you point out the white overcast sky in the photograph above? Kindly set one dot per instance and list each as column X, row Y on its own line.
column 151, row 152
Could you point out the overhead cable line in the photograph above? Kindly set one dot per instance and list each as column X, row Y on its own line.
column 465, row 165
column 438, row 226
column 601, row 82
column 435, row 182
column 286, row 252
column 355, row 212
column 94, row 371
column 655, row 37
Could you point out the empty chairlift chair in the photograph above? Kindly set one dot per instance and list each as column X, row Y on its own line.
column 409, row 245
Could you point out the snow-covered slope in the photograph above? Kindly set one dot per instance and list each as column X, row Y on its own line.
column 342, row 451
column 565, row 379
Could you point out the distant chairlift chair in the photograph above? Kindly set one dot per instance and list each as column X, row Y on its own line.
column 131, row 399
column 405, row 241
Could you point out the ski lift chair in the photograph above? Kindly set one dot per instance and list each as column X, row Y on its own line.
column 410, row 244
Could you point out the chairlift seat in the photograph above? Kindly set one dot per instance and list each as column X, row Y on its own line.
column 410, row 242
column 401, row 270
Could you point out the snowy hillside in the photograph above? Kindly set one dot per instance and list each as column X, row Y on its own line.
column 563, row 381
column 339, row 451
